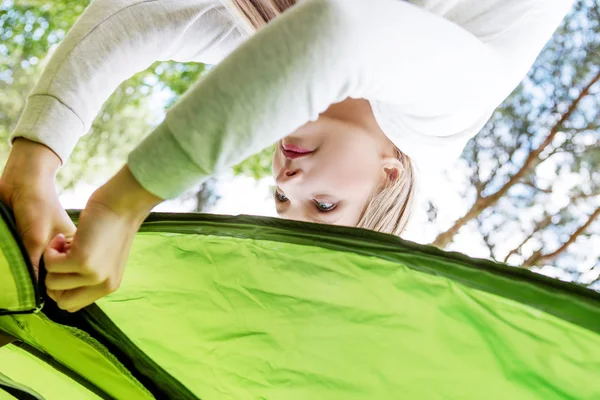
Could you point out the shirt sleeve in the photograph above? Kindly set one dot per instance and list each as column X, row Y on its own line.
column 109, row 43
column 318, row 53
column 516, row 32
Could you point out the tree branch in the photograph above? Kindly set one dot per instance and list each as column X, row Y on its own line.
column 553, row 152
column 595, row 280
column 532, row 185
column 475, row 177
column 537, row 227
column 489, row 245
column 545, row 222
column 530, row 162
column 538, row 257
column 587, row 196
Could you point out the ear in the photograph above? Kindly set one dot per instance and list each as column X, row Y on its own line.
column 392, row 169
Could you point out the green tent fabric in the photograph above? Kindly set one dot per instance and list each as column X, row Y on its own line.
column 218, row 307
column 18, row 293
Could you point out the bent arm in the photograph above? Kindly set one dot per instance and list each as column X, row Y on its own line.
column 109, row 43
column 316, row 54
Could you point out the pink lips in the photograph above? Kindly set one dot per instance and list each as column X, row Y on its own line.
column 291, row 151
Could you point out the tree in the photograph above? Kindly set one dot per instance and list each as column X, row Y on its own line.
column 29, row 31
column 534, row 170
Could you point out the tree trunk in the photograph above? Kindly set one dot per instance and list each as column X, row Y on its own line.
column 205, row 195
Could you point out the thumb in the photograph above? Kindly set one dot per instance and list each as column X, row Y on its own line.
column 65, row 225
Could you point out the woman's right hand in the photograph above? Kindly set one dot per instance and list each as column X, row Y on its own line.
column 28, row 187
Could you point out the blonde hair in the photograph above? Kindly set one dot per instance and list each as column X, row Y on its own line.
column 388, row 209
column 258, row 13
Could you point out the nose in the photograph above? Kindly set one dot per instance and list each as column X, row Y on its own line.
column 287, row 175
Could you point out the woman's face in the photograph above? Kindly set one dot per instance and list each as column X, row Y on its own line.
column 327, row 170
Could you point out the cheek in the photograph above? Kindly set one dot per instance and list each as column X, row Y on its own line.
column 349, row 175
column 359, row 176
column 277, row 164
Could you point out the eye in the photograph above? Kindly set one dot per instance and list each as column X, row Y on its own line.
column 280, row 197
column 325, row 207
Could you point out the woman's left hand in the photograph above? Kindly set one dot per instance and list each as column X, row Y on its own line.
column 91, row 266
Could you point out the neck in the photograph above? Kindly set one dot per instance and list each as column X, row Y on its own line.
column 359, row 112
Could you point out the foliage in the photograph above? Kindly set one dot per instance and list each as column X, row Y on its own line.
column 29, row 31
column 533, row 172
column 257, row 166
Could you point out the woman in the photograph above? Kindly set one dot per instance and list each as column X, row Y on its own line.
column 353, row 93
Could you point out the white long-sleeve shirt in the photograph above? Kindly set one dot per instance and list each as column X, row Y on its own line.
column 432, row 70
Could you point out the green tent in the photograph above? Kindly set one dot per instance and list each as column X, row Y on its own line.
column 220, row 307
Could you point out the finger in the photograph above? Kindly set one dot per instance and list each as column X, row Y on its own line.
column 67, row 281
column 76, row 299
column 57, row 259
column 35, row 241
column 54, row 294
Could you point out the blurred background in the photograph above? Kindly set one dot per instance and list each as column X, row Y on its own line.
column 526, row 190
